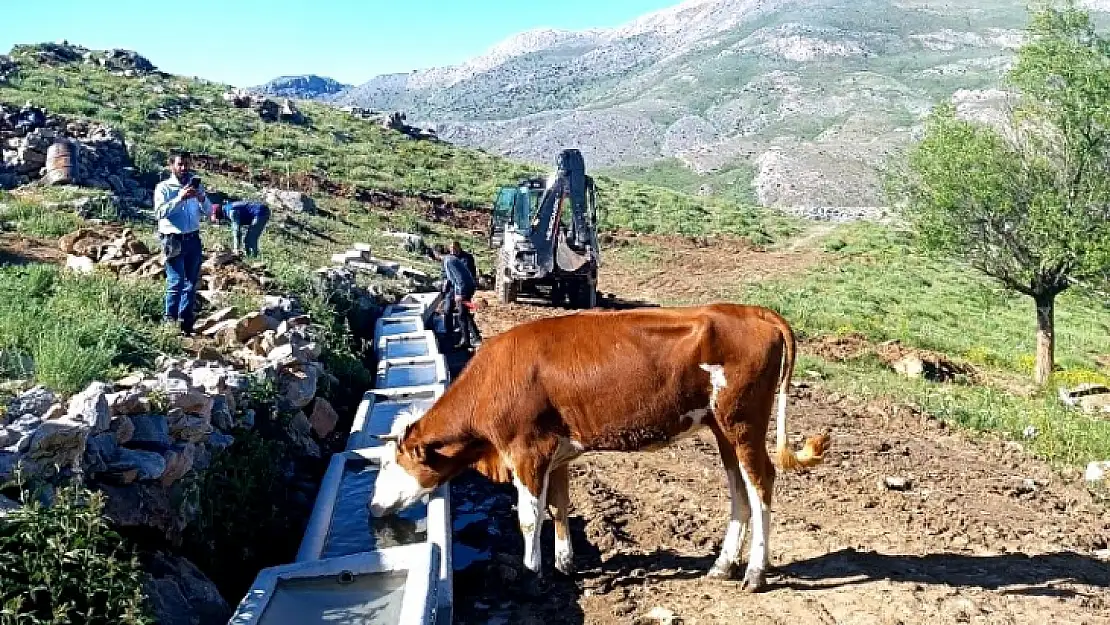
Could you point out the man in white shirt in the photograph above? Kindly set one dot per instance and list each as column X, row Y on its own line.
column 180, row 204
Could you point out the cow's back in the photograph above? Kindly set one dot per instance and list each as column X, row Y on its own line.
column 615, row 380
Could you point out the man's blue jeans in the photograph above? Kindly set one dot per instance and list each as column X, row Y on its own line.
column 182, row 276
column 246, row 235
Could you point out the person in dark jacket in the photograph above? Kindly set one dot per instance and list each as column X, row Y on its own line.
column 466, row 257
column 248, row 220
column 458, row 291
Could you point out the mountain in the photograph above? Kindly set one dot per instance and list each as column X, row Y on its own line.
column 788, row 102
column 308, row 86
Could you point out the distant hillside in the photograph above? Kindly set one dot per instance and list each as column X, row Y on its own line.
column 309, row 86
column 331, row 151
column 791, row 102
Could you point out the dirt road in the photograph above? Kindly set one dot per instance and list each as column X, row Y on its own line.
column 980, row 533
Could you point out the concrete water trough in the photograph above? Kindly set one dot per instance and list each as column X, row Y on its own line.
column 410, row 309
column 408, row 345
column 380, row 407
column 409, row 372
column 392, row 586
column 392, row 326
column 341, row 524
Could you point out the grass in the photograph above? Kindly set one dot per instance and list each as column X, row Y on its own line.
column 79, row 329
column 879, row 287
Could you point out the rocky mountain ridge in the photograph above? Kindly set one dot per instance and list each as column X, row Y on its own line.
column 802, row 100
column 306, row 86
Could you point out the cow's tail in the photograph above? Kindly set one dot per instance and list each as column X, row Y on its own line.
column 813, row 453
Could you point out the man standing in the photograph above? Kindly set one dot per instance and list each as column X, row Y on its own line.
column 458, row 289
column 467, row 259
column 179, row 206
column 248, row 220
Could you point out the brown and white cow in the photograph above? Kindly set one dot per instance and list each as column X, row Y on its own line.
column 540, row 395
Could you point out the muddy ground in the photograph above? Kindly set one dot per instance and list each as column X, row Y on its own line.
column 980, row 533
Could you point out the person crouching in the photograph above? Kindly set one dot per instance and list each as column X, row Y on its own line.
column 248, row 220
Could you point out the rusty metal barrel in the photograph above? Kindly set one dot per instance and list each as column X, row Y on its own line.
column 61, row 163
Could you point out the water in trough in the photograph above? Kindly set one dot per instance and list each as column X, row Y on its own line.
column 353, row 530
column 369, row 599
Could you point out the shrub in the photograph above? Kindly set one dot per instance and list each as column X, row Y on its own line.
column 63, row 564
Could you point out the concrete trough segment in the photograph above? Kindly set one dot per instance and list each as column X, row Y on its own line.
column 381, row 407
column 408, row 372
column 352, row 568
column 388, row 586
column 406, row 345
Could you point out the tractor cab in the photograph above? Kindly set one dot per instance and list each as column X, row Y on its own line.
column 516, row 205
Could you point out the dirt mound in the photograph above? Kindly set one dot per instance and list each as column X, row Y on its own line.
column 908, row 361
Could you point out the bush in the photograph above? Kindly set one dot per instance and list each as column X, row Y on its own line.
column 63, row 564
column 245, row 521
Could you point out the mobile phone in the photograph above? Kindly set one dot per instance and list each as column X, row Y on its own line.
column 194, row 182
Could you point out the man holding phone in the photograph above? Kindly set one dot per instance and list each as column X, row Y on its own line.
column 180, row 204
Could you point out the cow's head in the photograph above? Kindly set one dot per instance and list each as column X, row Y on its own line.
column 414, row 466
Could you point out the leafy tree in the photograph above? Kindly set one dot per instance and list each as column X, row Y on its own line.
column 1026, row 200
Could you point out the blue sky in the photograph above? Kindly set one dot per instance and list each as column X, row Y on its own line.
column 246, row 42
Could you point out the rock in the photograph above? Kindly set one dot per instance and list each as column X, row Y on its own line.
column 220, row 327
column 128, row 402
column 59, row 442
column 80, row 264
column 7, row 505
column 152, row 433
column 1030, row 432
column 658, row 616
column 192, row 402
column 100, row 451
column 910, row 366
column 212, row 379
column 130, row 381
column 252, row 325
column 900, row 484
column 123, row 429
column 54, row 412
column 299, row 430
column 1097, row 471
column 279, row 307
column 8, row 437
column 293, row 201
column 223, row 416
column 324, row 418
column 219, row 440
column 35, row 401
column 150, row 465
column 298, row 387
column 179, row 594
column 178, row 462
column 91, row 406
column 188, row 427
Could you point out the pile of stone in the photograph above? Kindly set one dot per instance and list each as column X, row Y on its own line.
column 138, row 437
column 267, row 109
column 292, row 201
column 361, row 259
column 101, row 161
column 124, row 254
column 126, row 62
column 7, row 68
column 120, row 62
column 397, row 121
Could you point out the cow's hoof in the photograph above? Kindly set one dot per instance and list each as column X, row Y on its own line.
column 721, row 570
column 754, row 581
column 565, row 564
